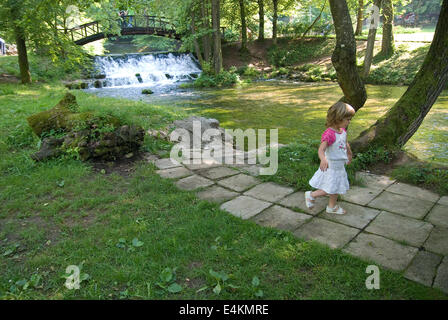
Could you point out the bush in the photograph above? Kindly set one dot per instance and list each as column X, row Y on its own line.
column 427, row 176
column 223, row 79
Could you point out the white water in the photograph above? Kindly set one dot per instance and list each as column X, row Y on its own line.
column 155, row 70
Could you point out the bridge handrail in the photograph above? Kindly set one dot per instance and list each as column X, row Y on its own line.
column 160, row 19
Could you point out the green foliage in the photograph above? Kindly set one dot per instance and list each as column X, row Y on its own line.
column 424, row 175
column 294, row 52
column 155, row 43
column 363, row 160
column 223, row 79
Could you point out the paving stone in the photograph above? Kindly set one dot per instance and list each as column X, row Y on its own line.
column 174, row 173
column 253, row 170
column 443, row 201
column 375, row 181
column 416, row 192
column 385, row 252
column 333, row 234
column 281, row 218
column 438, row 215
column 438, row 241
column 356, row 216
column 245, row 207
column 441, row 280
column 151, row 158
column 361, row 195
column 217, row 172
column 297, row 201
column 216, row 194
column 193, row 182
column 423, row 268
column 269, row 191
column 239, row 182
column 411, row 207
column 166, row 163
column 392, row 226
column 206, row 164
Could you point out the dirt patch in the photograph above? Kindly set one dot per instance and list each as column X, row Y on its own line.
column 399, row 159
column 124, row 167
column 257, row 56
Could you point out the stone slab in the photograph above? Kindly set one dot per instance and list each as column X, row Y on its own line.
column 174, row 173
column 374, row 181
column 438, row 215
column 269, row 191
column 193, row 182
column 216, row 194
column 416, row 192
column 245, row 207
column 333, row 234
column 443, row 201
column 239, row 183
column 441, row 280
column 281, row 218
column 166, row 163
column 253, row 170
column 385, row 252
column 423, row 268
column 217, row 172
column 393, row 226
column 438, row 241
column 356, row 216
column 205, row 164
column 396, row 203
column 297, row 201
column 361, row 195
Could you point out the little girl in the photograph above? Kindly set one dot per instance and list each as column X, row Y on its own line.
column 334, row 152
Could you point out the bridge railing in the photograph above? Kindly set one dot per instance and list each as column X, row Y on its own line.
column 125, row 22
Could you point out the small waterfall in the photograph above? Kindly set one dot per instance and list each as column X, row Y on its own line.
column 147, row 70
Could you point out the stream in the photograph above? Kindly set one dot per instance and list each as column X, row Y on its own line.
column 298, row 110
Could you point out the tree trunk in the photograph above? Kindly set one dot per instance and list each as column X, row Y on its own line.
column 206, row 25
column 399, row 124
column 274, row 22
column 261, row 20
column 315, row 20
column 387, row 46
column 217, row 53
column 371, row 40
column 243, row 26
column 24, row 66
column 344, row 56
column 195, row 40
column 360, row 19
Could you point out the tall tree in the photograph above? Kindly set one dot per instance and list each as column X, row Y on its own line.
column 274, row 21
column 400, row 123
column 206, row 43
column 387, row 45
column 261, row 20
column 217, row 53
column 374, row 20
column 243, row 26
column 315, row 20
column 360, row 18
column 344, row 56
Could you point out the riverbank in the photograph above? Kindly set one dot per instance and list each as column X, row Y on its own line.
column 137, row 236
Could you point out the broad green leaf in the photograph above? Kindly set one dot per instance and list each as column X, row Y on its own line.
column 217, row 289
column 137, row 243
column 259, row 293
column 255, row 281
column 166, row 275
column 174, row 288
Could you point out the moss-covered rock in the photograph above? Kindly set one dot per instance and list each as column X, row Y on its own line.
column 147, row 91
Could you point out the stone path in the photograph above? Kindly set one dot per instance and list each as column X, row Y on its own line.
column 388, row 223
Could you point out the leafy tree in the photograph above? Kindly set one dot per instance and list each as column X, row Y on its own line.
column 399, row 124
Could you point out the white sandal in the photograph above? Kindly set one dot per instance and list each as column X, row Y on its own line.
column 336, row 210
column 309, row 199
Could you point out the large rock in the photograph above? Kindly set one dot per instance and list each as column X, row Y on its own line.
column 90, row 136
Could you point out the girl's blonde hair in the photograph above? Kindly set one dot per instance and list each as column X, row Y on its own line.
column 339, row 112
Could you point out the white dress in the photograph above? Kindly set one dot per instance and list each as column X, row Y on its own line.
column 334, row 180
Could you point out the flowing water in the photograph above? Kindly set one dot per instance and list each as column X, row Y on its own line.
column 298, row 110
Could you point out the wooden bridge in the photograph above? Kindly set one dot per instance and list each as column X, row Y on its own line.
column 130, row 25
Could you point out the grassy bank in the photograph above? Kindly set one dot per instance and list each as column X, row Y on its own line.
column 138, row 237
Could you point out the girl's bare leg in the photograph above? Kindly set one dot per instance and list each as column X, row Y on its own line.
column 318, row 193
column 333, row 200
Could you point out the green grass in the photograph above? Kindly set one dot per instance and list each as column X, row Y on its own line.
column 62, row 212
